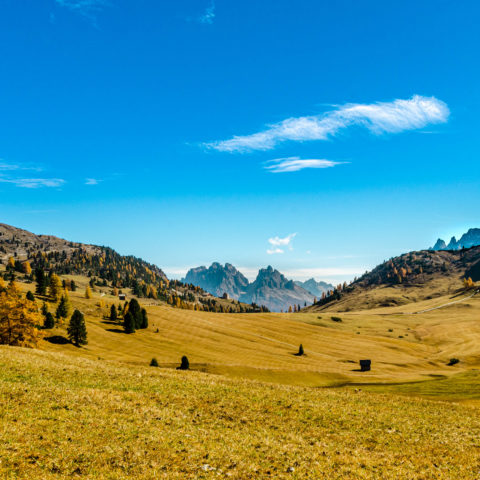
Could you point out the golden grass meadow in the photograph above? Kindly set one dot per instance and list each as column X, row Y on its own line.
column 249, row 408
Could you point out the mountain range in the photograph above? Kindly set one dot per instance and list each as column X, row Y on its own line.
column 467, row 240
column 270, row 288
column 314, row 287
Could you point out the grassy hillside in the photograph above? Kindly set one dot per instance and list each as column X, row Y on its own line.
column 262, row 346
column 69, row 417
column 412, row 277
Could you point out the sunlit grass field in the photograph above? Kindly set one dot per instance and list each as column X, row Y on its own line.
column 402, row 347
column 249, row 408
column 67, row 417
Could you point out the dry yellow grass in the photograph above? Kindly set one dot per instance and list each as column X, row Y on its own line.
column 67, row 417
column 261, row 346
column 101, row 412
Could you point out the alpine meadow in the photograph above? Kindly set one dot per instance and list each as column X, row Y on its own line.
column 239, row 240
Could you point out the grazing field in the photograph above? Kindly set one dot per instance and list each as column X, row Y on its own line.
column 402, row 347
column 67, row 417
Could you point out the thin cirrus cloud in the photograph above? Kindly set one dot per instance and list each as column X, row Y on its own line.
column 294, row 164
column 209, row 15
column 87, row 8
column 278, row 244
column 92, row 181
column 33, row 182
column 381, row 117
column 26, row 182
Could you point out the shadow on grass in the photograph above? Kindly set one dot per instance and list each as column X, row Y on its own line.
column 115, row 330
column 57, row 340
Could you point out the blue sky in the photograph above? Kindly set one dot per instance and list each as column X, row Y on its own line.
column 319, row 137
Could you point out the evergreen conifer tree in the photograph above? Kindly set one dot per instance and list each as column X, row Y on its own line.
column 30, row 296
column 129, row 323
column 113, row 313
column 49, row 321
column 136, row 311
column 63, row 308
column 77, row 330
column 144, row 323
column 42, row 282
column 185, row 365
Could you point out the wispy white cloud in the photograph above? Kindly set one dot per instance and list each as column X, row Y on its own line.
column 293, row 164
column 92, row 181
column 87, row 8
column 381, row 117
column 12, row 167
column 278, row 244
column 209, row 15
column 33, row 182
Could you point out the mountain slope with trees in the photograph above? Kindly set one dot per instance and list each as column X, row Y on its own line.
column 411, row 277
column 42, row 258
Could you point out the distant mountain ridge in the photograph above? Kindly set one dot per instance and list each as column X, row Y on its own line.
column 467, row 240
column 218, row 279
column 314, row 287
column 270, row 288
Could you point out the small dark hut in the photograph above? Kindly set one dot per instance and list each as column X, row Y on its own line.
column 365, row 365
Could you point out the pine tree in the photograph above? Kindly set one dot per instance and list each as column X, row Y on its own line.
column 144, row 322
column 42, row 282
column 30, row 296
column 63, row 309
column 300, row 351
column 73, row 286
column 129, row 323
column 44, row 309
column 77, row 330
column 135, row 310
column 113, row 313
column 185, row 365
column 49, row 322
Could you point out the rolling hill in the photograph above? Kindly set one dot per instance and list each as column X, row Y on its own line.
column 247, row 408
column 412, row 277
column 105, row 268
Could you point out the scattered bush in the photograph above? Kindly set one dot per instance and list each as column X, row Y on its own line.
column 185, row 365
column 154, row 362
column 300, row 351
column 30, row 296
column 453, row 361
column 336, row 319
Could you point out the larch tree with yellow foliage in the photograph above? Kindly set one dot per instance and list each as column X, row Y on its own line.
column 27, row 269
column 88, row 292
column 19, row 319
column 55, row 288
